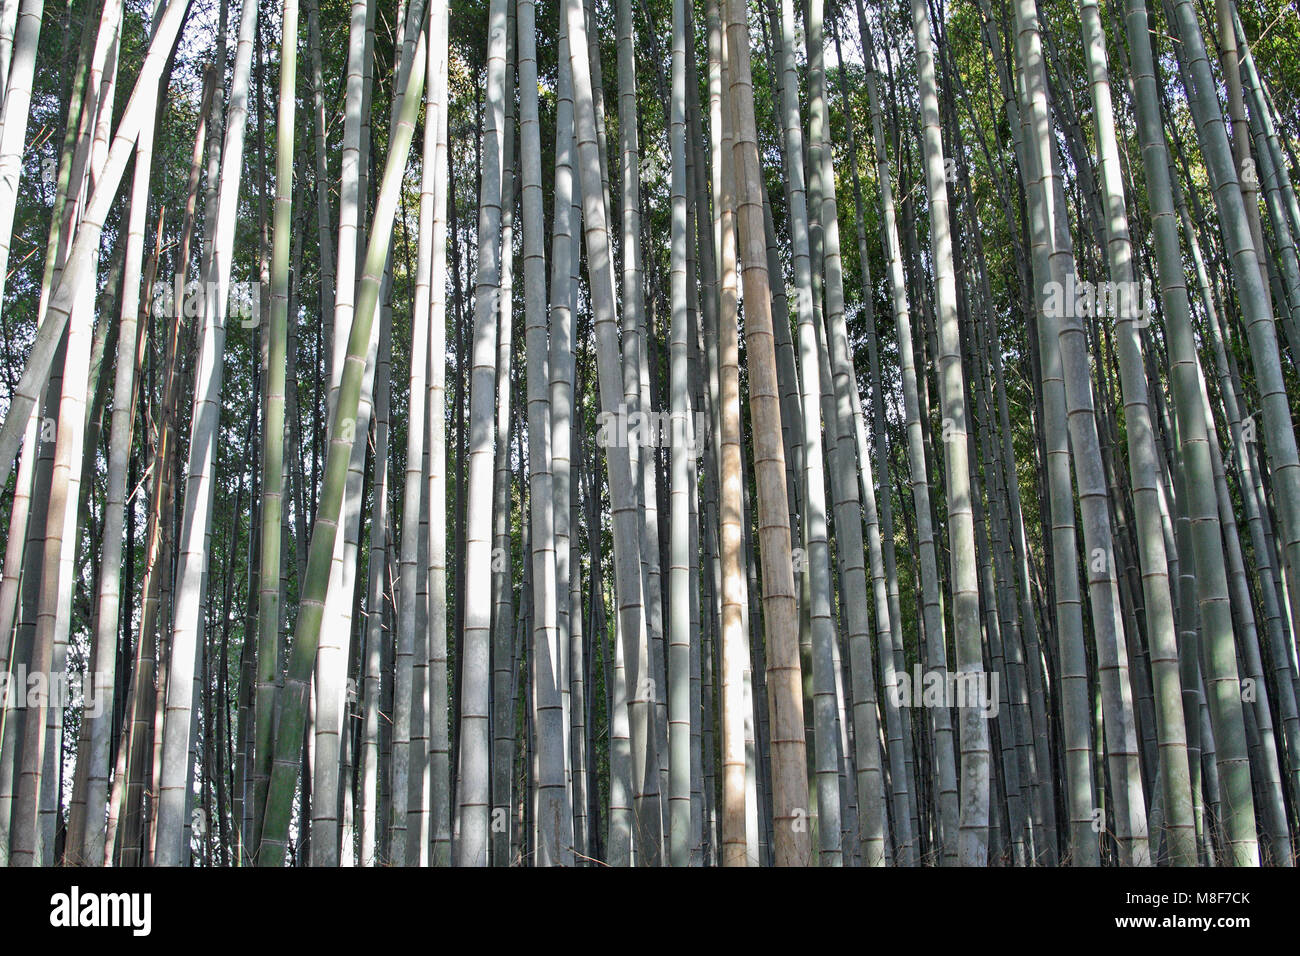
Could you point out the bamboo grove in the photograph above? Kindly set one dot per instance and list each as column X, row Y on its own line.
column 671, row 432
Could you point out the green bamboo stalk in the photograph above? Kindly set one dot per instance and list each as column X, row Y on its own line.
column 293, row 712
column 1179, row 830
column 974, row 781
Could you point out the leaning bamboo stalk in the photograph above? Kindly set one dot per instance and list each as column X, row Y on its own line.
column 155, row 585
column 17, row 95
column 292, row 719
column 143, row 99
column 38, row 796
column 32, row 823
column 353, row 161
column 192, row 542
column 335, row 650
column 124, row 406
column 32, row 481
